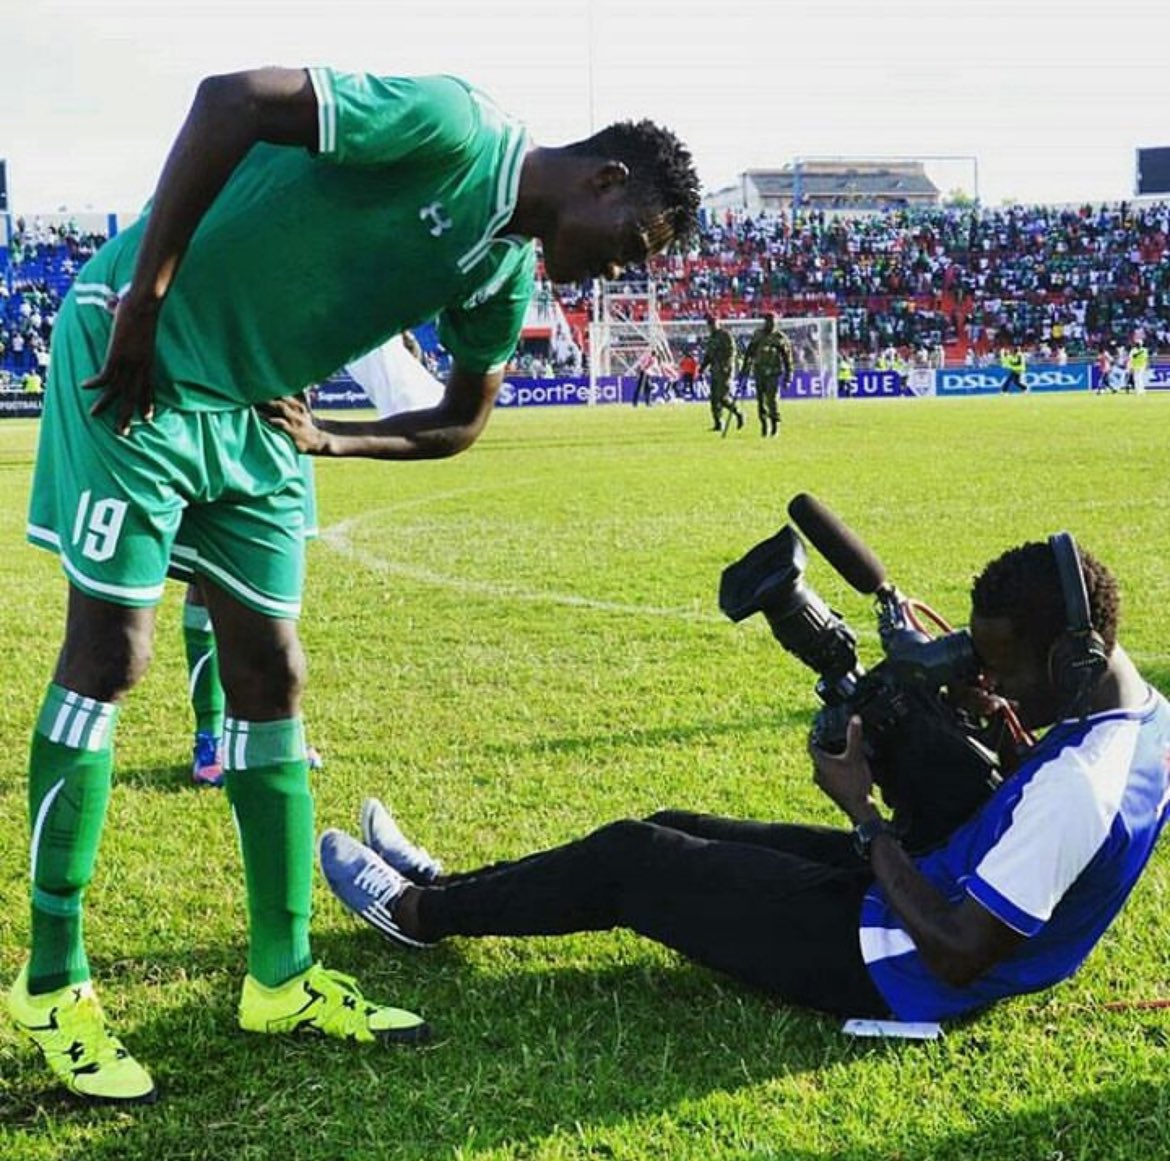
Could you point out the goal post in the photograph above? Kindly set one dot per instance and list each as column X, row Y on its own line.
column 813, row 339
column 626, row 325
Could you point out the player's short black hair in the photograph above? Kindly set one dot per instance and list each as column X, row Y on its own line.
column 1023, row 585
column 662, row 171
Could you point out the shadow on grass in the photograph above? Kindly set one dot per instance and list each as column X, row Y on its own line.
column 649, row 738
column 1126, row 1120
column 522, row 1051
column 171, row 779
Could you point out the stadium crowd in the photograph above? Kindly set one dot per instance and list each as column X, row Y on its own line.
column 36, row 271
column 1061, row 281
column 965, row 278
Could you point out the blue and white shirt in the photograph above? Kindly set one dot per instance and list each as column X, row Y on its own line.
column 1053, row 854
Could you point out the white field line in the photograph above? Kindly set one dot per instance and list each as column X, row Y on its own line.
column 338, row 538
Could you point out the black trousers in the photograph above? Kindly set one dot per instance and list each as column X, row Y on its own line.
column 772, row 905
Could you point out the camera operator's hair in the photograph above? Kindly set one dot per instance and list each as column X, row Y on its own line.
column 662, row 172
column 1023, row 585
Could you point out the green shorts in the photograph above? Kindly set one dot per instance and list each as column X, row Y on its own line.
column 217, row 494
column 309, row 471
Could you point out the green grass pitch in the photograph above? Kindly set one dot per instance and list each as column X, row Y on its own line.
column 512, row 647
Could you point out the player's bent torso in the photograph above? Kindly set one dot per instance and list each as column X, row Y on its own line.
column 305, row 262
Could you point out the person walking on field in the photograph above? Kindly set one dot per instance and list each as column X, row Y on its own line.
column 688, row 369
column 1014, row 364
column 1139, row 366
column 770, row 360
column 720, row 358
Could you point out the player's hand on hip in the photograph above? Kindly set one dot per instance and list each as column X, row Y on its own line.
column 291, row 414
column 126, row 380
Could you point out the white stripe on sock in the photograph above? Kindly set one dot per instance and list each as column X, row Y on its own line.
column 240, row 758
column 38, row 825
column 196, row 670
column 62, row 718
column 101, row 727
column 80, row 721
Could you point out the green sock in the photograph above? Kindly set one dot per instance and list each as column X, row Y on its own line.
column 207, row 700
column 267, row 781
column 70, row 765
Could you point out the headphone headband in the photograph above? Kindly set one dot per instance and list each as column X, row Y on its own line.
column 1078, row 659
column 1078, row 617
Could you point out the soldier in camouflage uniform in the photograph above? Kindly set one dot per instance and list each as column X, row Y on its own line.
column 770, row 360
column 720, row 357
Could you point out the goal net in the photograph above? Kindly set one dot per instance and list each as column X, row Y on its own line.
column 627, row 325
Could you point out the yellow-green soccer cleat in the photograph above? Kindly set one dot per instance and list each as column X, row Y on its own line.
column 326, row 1003
column 68, row 1026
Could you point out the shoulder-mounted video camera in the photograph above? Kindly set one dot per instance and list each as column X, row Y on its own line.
column 930, row 759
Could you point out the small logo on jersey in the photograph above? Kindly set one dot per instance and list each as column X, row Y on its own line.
column 439, row 220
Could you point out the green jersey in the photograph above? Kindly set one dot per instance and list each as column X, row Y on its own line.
column 307, row 260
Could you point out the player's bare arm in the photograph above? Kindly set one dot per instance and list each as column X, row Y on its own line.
column 958, row 942
column 229, row 115
column 444, row 430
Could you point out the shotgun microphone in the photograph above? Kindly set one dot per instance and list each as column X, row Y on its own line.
column 853, row 559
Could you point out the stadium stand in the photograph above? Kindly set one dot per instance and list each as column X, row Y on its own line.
column 36, row 270
column 966, row 278
column 961, row 279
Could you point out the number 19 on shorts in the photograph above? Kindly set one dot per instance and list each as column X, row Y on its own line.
column 98, row 526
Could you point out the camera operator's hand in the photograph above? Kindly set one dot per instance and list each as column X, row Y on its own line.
column 1001, row 729
column 846, row 777
column 976, row 699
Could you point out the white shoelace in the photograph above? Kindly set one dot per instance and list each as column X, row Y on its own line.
column 380, row 881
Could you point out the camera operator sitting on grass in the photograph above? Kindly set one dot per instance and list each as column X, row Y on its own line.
column 848, row 922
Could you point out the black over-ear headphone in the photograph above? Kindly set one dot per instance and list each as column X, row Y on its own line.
column 1078, row 657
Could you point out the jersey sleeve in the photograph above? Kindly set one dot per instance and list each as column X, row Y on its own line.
column 369, row 120
column 1058, row 825
column 482, row 333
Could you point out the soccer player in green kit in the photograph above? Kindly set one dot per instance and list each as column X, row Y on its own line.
column 302, row 217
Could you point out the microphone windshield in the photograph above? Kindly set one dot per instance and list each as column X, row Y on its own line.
column 854, row 560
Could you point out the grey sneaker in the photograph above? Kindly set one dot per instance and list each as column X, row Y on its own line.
column 365, row 884
column 381, row 834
